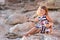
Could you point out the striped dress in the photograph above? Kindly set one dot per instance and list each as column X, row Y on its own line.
column 42, row 21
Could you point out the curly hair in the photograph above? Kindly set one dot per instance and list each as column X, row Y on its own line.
column 43, row 7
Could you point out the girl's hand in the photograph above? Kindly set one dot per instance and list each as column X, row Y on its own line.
column 49, row 25
column 36, row 19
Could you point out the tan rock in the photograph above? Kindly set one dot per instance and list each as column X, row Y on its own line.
column 16, row 18
column 40, row 37
column 21, row 28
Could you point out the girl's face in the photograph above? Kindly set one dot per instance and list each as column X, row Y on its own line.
column 41, row 12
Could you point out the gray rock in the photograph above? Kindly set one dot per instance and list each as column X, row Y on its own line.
column 55, row 15
column 16, row 18
column 21, row 28
column 40, row 37
column 2, row 2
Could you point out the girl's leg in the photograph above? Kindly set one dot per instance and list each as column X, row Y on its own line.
column 51, row 30
column 51, row 27
column 32, row 31
column 37, row 31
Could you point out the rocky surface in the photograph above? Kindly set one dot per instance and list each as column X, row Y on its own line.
column 22, row 27
column 16, row 18
column 25, row 26
column 40, row 37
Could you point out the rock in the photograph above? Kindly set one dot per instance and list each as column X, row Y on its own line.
column 24, row 38
column 55, row 16
column 57, row 3
column 30, row 6
column 3, row 30
column 16, row 18
column 2, row 2
column 49, row 38
column 20, row 29
column 6, row 13
column 30, row 14
column 39, row 36
column 50, row 2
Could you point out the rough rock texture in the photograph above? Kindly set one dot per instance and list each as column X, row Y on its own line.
column 56, row 18
column 2, row 2
column 18, row 14
column 17, row 18
column 55, row 15
column 40, row 37
column 19, row 30
column 22, row 27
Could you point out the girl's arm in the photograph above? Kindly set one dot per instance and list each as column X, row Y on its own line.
column 49, row 19
column 36, row 19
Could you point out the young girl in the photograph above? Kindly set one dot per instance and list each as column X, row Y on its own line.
column 43, row 22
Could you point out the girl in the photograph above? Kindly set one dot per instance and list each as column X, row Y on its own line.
column 43, row 22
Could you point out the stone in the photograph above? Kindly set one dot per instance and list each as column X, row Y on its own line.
column 2, row 2
column 21, row 29
column 16, row 18
column 39, row 36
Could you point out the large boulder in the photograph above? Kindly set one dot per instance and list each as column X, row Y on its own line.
column 2, row 2
column 40, row 37
column 16, row 18
column 21, row 28
column 55, row 17
column 3, row 30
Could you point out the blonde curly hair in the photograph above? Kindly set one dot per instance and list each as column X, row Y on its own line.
column 42, row 7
